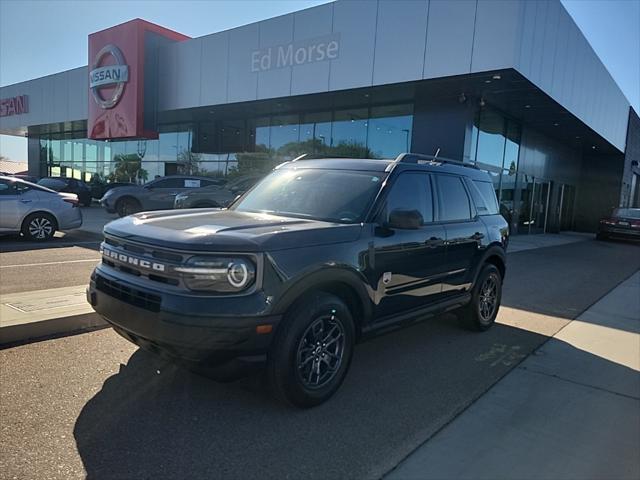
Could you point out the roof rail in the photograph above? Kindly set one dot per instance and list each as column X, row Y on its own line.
column 422, row 159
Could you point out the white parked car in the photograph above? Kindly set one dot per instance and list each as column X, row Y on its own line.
column 36, row 211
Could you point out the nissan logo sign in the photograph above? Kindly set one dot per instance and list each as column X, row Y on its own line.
column 117, row 74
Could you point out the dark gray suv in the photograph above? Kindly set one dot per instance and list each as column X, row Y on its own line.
column 318, row 255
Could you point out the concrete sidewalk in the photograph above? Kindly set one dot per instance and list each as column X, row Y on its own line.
column 571, row 410
column 32, row 315
column 519, row 243
column 94, row 219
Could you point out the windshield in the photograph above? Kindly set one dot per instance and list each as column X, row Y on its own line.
column 331, row 195
column 627, row 212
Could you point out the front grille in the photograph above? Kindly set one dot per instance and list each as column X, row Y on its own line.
column 143, row 252
column 129, row 295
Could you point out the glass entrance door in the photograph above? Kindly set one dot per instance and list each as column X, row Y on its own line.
column 567, row 198
column 539, row 206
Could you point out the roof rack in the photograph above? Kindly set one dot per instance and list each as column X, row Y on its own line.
column 422, row 159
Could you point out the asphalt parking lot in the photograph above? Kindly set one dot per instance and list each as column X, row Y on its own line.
column 93, row 405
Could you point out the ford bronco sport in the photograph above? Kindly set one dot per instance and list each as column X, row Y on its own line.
column 316, row 256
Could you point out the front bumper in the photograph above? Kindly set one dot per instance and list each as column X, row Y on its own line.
column 615, row 231
column 140, row 315
column 107, row 206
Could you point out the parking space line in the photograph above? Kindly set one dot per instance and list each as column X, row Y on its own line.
column 50, row 263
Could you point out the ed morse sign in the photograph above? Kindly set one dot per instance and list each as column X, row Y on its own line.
column 14, row 106
column 117, row 79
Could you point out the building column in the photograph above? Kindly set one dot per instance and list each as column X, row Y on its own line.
column 443, row 124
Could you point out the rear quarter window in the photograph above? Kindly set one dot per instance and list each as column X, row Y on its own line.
column 484, row 196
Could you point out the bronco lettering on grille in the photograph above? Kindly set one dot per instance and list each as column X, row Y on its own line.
column 137, row 262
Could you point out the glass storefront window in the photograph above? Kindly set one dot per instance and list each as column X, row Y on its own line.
column 285, row 134
column 512, row 147
column 315, row 131
column 262, row 134
column 491, row 139
column 232, row 147
column 389, row 131
column 349, row 133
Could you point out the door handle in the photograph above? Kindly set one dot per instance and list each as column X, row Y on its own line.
column 478, row 236
column 434, row 242
column 26, row 201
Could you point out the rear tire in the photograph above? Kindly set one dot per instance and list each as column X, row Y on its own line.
column 601, row 236
column 39, row 227
column 127, row 206
column 312, row 350
column 481, row 312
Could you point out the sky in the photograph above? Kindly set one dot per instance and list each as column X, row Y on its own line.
column 42, row 37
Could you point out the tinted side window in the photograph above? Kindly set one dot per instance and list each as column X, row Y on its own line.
column 484, row 196
column 169, row 183
column 7, row 188
column 411, row 191
column 453, row 198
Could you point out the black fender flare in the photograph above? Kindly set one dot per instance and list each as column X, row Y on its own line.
column 493, row 250
column 327, row 279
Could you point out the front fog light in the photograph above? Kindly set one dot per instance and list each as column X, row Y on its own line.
column 225, row 275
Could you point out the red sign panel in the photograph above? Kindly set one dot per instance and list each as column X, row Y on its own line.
column 116, row 80
column 14, row 106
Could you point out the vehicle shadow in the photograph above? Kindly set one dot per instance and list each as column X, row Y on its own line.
column 155, row 420
column 72, row 238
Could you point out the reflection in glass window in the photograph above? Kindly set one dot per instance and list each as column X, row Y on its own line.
column 507, row 196
column 491, row 140
column 284, row 132
column 390, row 130
column 349, row 133
column 453, row 199
column 411, row 191
column 315, row 131
column 167, row 146
column 474, row 143
column 262, row 132
column 512, row 147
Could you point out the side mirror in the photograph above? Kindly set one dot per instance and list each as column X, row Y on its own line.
column 405, row 219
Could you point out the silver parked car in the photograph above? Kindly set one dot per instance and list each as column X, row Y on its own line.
column 35, row 211
column 158, row 194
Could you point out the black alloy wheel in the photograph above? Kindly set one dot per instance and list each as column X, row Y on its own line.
column 481, row 312
column 320, row 351
column 312, row 349
column 127, row 206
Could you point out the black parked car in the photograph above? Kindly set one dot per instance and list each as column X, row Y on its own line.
column 622, row 223
column 68, row 185
column 318, row 255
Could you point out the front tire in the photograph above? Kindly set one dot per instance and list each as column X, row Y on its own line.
column 481, row 312
column 312, row 351
column 39, row 227
column 127, row 206
column 601, row 236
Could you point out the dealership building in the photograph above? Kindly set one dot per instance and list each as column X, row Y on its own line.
column 510, row 86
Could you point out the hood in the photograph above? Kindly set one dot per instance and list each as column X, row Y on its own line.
column 228, row 230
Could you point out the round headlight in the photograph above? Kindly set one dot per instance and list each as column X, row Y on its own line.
column 238, row 273
column 217, row 274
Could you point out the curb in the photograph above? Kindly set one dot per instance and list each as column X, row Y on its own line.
column 19, row 334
